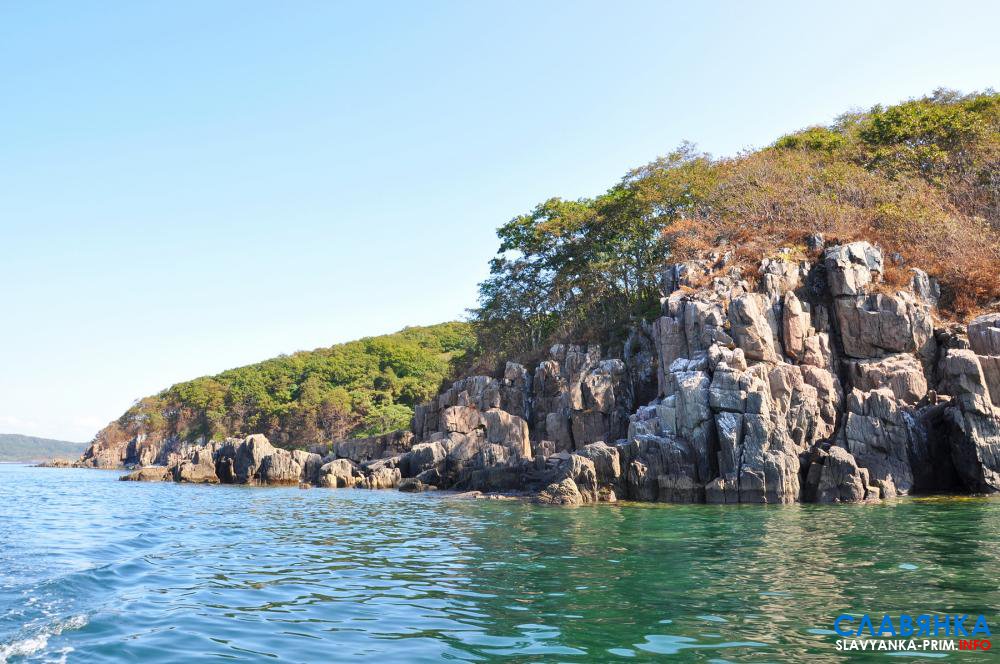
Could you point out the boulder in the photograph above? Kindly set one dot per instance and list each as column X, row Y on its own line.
column 852, row 268
column 795, row 326
column 148, row 474
column 984, row 340
column 972, row 422
column 423, row 457
column 414, row 485
column 460, row 419
column 200, row 469
column 835, row 477
column 247, row 456
column 279, row 468
column 337, row 474
column 382, row 474
column 515, row 391
column 564, row 492
column 984, row 334
column 310, row 463
column 606, row 461
column 509, row 431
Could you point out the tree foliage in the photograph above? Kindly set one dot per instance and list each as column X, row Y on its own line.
column 922, row 178
column 363, row 387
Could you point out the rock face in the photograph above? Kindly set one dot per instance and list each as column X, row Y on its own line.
column 251, row 460
column 808, row 381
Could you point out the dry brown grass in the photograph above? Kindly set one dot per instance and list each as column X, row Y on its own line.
column 776, row 198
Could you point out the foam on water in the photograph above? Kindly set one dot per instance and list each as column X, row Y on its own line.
column 35, row 643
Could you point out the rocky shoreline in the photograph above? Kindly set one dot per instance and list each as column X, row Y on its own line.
column 814, row 383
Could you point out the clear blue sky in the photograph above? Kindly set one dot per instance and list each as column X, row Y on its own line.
column 191, row 186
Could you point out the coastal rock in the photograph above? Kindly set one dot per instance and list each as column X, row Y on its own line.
column 877, row 325
column 606, row 461
column 148, row 474
column 279, row 468
column 564, row 492
column 515, row 391
column 200, row 469
column 460, row 419
column 984, row 340
column 414, row 485
column 247, row 456
column 382, row 474
column 747, row 406
column 877, row 433
column 509, row 431
column 835, row 477
column 852, row 268
column 424, row 457
column 337, row 474
column 753, row 327
column 363, row 450
column 973, row 422
column 901, row 373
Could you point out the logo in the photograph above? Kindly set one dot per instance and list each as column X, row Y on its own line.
column 924, row 632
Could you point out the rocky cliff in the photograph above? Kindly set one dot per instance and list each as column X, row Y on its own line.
column 809, row 380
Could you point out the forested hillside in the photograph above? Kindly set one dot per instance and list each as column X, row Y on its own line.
column 921, row 179
column 358, row 388
column 15, row 447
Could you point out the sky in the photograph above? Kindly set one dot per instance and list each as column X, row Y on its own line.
column 191, row 186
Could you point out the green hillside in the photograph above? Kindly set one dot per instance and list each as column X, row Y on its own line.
column 17, row 448
column 359, row 388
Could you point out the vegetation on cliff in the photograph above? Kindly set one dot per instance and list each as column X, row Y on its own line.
column 359, row 388
column 920, row 178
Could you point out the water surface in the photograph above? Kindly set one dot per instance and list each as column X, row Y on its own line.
column 96, row 570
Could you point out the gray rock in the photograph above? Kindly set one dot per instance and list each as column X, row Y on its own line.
column 363, row 450
column 901, row 373
column 414, row 485
column 460, row 419
column 606, row 461
column 835, row 477
column 423, row 457
column 973, row 422
column 509, row 431
column 852, row 268
column 382, row 474
column 564, row 492
column 749, row 316
column 200, row 469
column 279, row 468
column 337, row 474
column 877, row 432
column 876, row 325
column 148, row 474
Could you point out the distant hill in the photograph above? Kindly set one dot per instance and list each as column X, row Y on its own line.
column 15, row 447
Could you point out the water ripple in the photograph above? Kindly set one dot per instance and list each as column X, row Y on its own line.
column 96, row 570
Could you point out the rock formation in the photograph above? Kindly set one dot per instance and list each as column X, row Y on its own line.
column 807, row 381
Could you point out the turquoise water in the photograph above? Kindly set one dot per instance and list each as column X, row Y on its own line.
column 96, row 570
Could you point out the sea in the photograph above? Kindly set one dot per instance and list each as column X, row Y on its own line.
column 97, row 570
